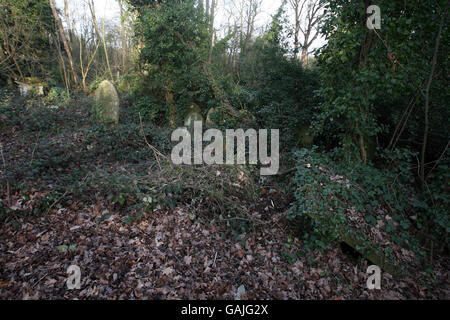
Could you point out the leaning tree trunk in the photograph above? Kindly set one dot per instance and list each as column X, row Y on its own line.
column 64, row 40
column 427, row 95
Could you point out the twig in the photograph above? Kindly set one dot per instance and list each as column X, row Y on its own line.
column 214, row 263
column 438, row 160
column 56, row 201
column 63, row 195
column 427, row 93
column 155, row 151
column 36, row 283
column 287, row 171
column 7, row 182
column 35, row 146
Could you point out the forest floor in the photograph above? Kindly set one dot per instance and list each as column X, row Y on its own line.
column 50, row 220
column 167, row 256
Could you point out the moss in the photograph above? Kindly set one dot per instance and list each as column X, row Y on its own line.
column 210, row 114
column 194, row 114
column 304, row 136
column 107, row 102
column 35, row 81
column 124, row 85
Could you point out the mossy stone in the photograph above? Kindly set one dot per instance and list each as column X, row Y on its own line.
column 107, row 102
column 31, row 85
column 193, row 114
column 211, row 114
column 304, row 136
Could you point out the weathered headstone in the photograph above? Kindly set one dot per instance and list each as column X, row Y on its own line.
column 193, row 114
column 31, row 85
column 171, row 106
column 371, row 146
column 124, row 84
column 209, row 115
column 107, row 102
column 305, row 136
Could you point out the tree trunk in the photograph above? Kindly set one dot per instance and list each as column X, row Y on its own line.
column 211, row 41
column 123, row 37
column 304, row 56
column 172, row 108
column 61, row 62
column 106, row 50
column 101, row 36
column 427, row 95
column 295, row 5
column 69, row 26
column 63, row 39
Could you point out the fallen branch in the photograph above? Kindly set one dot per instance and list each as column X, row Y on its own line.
column 7, row 182
column 439, row 159
column 156, row 152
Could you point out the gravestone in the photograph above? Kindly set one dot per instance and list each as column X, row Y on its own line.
column 193, row 114
column 31, row 85
column 371, row 146
column 124, row 84
column 107, row 102
column 172, row 109
column 304, row 136
column 209, row 121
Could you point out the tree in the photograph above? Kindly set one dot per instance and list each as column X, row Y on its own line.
column 251, row 10
column 373, row 80
column 25, row 49
column 427, row 92
column 240, row 31
column 176, row 41
column 69, row 23
column 281, row 90
column 306, row 22
column 211, row 29
column 100, row 35
column 295, row 4
column 64, row 41
column 123, row 35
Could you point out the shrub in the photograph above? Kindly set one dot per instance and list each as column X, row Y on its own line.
column 375, row 208
column 94, row 85
column 58, row 96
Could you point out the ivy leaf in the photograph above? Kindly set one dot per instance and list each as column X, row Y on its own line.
column 371, row 220
column 62, row 248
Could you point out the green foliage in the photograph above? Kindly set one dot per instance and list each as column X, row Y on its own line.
column 94, row 85
column 150, row 109
column 25, row 26
column 372, row 87
column 175, row 50
column 36, row 205
column 57, row 96
column 368, row 79
column 355, row 98
column 37, row 114
column 340, row 201
column 275, row 89
column 434, row 204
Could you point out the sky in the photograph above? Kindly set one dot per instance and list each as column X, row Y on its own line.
column 109, row 9
column 103, row 8
column 268, row 9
